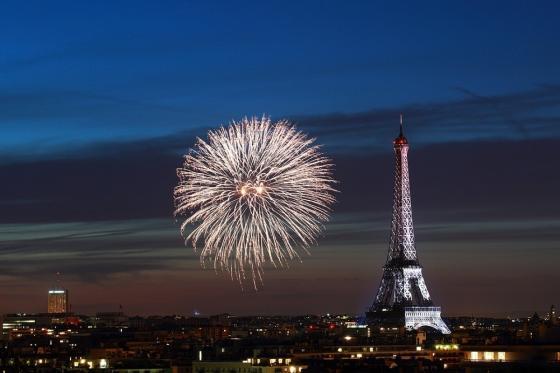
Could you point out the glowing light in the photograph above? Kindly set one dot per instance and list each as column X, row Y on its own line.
column 447, row 347
column 255, row 192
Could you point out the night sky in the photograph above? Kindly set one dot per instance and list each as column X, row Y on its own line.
column 99, row 100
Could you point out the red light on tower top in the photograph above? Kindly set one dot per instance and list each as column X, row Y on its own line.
column 401, row 140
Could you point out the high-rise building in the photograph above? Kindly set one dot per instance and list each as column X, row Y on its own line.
column 403, row 298
column 58, row 301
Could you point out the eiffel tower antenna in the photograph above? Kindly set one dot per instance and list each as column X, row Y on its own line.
column 403, row 298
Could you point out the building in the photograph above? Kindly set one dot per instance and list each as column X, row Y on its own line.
column 17, row 321
column 531, row 358
column 251, row 365
column 22, row 322
column 58, row 301
column 111, row 320
column 403, row 298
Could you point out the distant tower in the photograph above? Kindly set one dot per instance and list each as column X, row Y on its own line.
column 57, row 300
column 403, row 297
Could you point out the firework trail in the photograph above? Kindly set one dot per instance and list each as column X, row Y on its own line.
column 255, row 192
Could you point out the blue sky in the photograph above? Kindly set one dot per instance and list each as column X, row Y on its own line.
column 75, row 73
column 98, row 101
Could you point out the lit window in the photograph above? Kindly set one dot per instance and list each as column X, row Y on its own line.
column 501, row 356
column 474, row 355
column 488, row 355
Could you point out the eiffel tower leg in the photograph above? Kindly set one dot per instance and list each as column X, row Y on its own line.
column 417, row 317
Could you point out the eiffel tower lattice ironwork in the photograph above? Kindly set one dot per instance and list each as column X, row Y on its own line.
column 403, row 296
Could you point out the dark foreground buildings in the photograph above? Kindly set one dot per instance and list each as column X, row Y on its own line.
column 112, row 341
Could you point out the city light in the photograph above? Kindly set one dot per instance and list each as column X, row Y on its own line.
column 447, row 347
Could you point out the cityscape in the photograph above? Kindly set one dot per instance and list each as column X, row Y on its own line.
column 402, row 330
column 59, row 340
column 310, row 187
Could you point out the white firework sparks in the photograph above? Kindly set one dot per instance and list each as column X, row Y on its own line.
column 255, row 192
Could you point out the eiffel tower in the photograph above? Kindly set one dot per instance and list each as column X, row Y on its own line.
column 403, row 297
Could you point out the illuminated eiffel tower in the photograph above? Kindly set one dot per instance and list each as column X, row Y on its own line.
column 403, row 298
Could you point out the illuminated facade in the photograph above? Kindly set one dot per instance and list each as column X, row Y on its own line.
column 58, row 301
column 403, row 296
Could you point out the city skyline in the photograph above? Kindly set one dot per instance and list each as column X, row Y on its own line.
column 95, row 121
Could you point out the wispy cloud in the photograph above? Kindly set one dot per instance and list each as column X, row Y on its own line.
column 90, row 251
column 150, row 251
column 532, row 114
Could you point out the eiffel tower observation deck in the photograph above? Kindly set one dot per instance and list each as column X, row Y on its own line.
column 403, row 298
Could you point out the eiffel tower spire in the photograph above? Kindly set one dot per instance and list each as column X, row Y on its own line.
column 403, row 296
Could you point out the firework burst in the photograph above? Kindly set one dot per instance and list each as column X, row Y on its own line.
column 255, row 192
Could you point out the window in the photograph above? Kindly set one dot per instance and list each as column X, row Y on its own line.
column 488, row 355
column 501, row 356
column 474, row 355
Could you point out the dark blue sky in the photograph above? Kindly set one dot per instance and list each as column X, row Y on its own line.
column 99, row 99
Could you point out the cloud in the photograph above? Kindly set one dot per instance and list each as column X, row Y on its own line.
column 131, row 180
column 533, row 114
column 143, row 255
column 525, row 115
column 91, row 251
